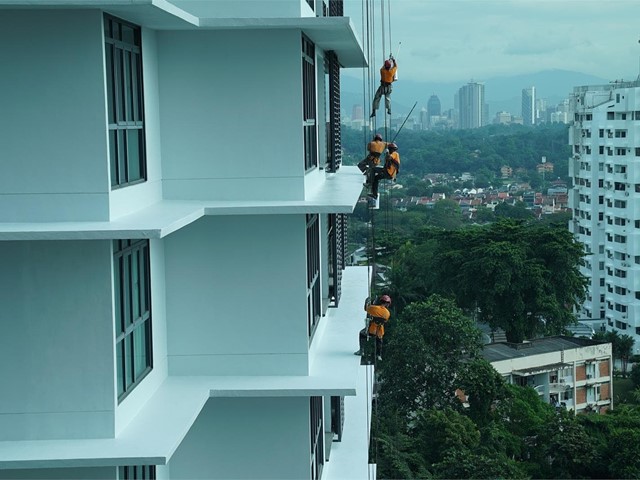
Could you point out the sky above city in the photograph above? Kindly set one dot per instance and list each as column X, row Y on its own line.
column 459, row 40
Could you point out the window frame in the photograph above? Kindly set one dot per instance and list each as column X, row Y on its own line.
column 309, row 110
column 313, row 272
column 125, row 102
column 132, row 313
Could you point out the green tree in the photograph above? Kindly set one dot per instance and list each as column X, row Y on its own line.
column 424, row 353
column 462, row 464
column 445, row 214
column 523, row 278
column 483, row 386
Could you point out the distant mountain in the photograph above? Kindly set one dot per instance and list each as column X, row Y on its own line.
column 502, row 93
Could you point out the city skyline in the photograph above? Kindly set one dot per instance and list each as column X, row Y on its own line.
column 504, row 37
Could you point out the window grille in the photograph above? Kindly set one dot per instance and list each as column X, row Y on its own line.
column 317, row 434
column 132, row 296
column 313, row 273
column 125, row 103
column 309, row 104
column 334, row 150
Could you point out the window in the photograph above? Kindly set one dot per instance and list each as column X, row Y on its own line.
column 139, row 472
column 125, row 105
column 132, row 294
column 317, row 433
column 309, row 104
column 313, row 273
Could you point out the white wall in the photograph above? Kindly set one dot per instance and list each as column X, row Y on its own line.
column 53, row 160
column 236, row 296
column 247, row 8
column 135, row 401
column 98, row 473
column 247, row 438
column 57, row 342
column 231, row 114
column 127, row 200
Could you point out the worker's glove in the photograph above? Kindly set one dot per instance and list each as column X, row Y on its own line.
column 367, row 302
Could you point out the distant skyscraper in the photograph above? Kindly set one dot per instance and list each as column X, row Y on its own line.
column 529, row 106
column 433, row 108
column 472, row 106
column 357, row 112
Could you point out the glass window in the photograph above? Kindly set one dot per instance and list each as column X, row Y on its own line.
column 123, row 69
column 132, row 313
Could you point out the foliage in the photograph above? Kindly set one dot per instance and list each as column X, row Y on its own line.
column 621, row 346
column 523, row 278
column 462, row 464
column 424, row 353
column 483, row 386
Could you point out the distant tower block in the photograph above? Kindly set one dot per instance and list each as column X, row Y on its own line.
column 433, row 108
column 357, row 112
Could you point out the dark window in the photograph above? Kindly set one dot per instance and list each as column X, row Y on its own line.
column 317, row 433
column 132, row 295
column 311, row 3
column 334, row 145
column 337, row 417
column 313, row 273
column 337, row 243
column 309, row 104
column 125, row 105
column 138, row 472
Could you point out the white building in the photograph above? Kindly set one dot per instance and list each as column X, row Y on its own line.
column 605, row 138
column 473, row 110
column 574, row 373
column 172, row 241
column 529, row 106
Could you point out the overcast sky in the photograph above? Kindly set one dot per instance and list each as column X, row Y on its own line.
column 457, row 40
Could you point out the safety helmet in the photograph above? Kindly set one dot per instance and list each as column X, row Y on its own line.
column 387, row 64
column 392, row 146
column 385, row 299
column 377, row 137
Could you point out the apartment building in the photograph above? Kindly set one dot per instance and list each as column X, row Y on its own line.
column 173, row 209
column 570, row 372
column 529, row 106
column 605, row 139
column 473, row 110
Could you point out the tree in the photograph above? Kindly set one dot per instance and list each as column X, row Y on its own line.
column 445, row 214
column 483, row 386
column 523, row 278
column 472, row 465
column 621, row 346
column 424, row 353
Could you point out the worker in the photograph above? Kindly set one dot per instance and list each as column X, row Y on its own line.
column 378, row 315
column 387, row 77
column 390, row 169
column 375, row 148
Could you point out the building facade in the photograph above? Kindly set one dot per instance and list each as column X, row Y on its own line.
column 605, row 142
column 574, row 373
column 529, row 106
column 173, row 217
column 472, row 108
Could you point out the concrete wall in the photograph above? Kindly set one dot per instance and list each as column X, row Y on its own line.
column 57, row 342
column 236, row 296
column 53, row 160
column 135, row 401
column 248, row 8
column 98, row 473
column 231, row 114
column 247, row 438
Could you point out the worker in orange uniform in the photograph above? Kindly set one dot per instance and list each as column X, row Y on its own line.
column 375, row 148
column 387, row 77
column 390, row 169
column 378, row 315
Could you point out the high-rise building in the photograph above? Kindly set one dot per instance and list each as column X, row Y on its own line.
column 175, row 300
column 529, row 106
column 433, row 108
column 471, row 105
column 606, row 177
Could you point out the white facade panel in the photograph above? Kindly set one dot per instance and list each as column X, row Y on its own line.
column 247, row 438
column 236, row 296
column 246, row 8
column 53, row 164
column 231, row 110
column 57, row 306
column 97, row 473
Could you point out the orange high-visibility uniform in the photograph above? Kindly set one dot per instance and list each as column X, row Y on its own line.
column 387, row 76
column 392, row 164
column 375, row 148
column 380, row 316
